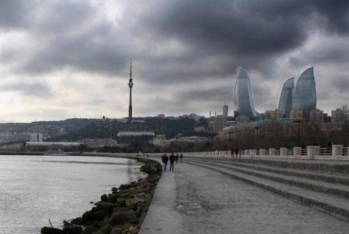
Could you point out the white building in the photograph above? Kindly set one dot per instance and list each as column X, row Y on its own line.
column 36, row 137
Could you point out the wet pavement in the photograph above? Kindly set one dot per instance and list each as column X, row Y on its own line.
column 196, row 200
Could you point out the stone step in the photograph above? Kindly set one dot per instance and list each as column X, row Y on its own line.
column 331, row 204
column 323, row 176
column 335, row 167
column 311, row 184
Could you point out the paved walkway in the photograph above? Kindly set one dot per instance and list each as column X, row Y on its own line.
column 198, row 200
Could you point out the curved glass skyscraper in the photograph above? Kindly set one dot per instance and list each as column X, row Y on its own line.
column 305, row 94
column 243, row 98
column 286, row 97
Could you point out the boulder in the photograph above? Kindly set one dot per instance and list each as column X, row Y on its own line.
column 99, row 215
column 104, row 198
column 90, row 230
column 116, row 230
column 122, row 203
column 123, row 217
column 106, row 229
column 72, row 230
column 77, row 221
column 51, row 230
column 87, row 216
column 113, row 198
column 107, row 207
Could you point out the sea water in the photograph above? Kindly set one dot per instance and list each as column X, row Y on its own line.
column 37, row 190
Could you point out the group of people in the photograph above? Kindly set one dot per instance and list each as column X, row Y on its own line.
column 235, row 152
column 172, row 158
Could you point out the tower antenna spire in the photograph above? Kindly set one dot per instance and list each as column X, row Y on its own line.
column 130, row 85
column 130, row 69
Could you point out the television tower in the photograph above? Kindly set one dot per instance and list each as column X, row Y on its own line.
column 130, row 84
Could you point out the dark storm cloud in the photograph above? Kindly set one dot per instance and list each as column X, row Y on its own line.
column 251, row 34
column 29, row 89
column 341, row 83
column 12, row 14
column 334, row 51
column 224, row 28
column 220, row 93
column 91, row 51
column 67, row 34
column 225, row 33
column 331, row 15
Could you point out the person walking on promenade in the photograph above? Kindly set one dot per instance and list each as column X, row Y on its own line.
column 232, row 151
column 172, row 160
column 239, row 152
column 236, row 152
column 181, row 158
column 177, row 157
column 164, row 159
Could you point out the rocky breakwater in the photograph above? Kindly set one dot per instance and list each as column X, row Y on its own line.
column 120, row 212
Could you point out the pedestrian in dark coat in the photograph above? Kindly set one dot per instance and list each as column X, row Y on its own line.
column 181, row 157
column 172, row 160
column 237, row 152
column 164, row 159
column 177, row 157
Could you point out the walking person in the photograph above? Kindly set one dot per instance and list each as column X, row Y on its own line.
column 164, row 159
column 239, row 151
column 236, row 152
column 177, row 157
column 172, row 160
column 181, row 158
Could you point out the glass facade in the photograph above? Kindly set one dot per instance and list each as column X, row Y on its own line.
column 305, row 94
column 243, row 98
column 286, row 97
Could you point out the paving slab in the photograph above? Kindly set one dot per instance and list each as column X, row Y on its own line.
column 198, row 200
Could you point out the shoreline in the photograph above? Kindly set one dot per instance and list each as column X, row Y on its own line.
column 119, row 212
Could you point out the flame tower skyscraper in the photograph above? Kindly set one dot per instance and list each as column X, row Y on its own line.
column 243, row 98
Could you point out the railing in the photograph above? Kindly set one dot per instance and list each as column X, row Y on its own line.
column 337, row 152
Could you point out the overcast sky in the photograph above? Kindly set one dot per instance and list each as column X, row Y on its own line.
column 61, row 59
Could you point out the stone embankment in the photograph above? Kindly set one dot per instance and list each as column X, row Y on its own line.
column 322, row 185
column 120, row 212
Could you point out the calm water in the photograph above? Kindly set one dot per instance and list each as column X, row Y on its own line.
column 34, row 189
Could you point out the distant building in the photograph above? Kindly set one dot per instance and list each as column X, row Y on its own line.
column 36, row 137
column 275, row 114
column 316, row 116
column 127, row 137
column 52, row 145
column 135, row 134
column 242, row 119
column 304, row 98
column 190, row 139
column 225, row 110
column 243, row 98
column 98, row 142
column 286, row 97
column 159, row 140
column 219, row 123
column 337, row 116
column 296, row 114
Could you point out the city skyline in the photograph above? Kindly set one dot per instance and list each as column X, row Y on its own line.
column 66, row 59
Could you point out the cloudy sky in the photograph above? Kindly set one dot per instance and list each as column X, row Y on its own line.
column 67, row 58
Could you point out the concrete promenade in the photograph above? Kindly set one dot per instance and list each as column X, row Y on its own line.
column 193, row 199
